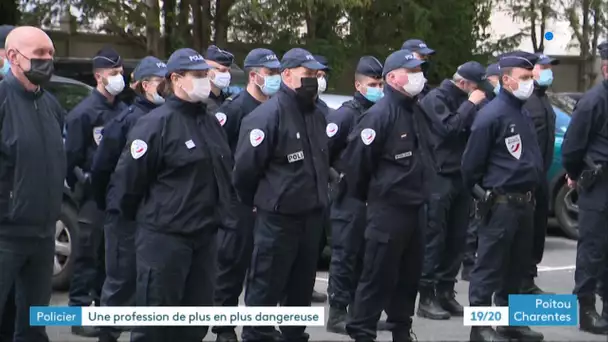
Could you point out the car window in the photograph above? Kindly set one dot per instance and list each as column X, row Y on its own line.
column 68, row 94
column 563, row 102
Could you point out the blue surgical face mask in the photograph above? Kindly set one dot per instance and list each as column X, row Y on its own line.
column 497, row 89
column 373, row 94
column 546, row 77
column 5, row 67
column 271, row 84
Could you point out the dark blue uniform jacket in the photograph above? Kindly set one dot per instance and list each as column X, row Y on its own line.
column 502, row 153
column 214, row 102
column 587, row 134
column 542, row 113
column 174, row 174
column 112, row 145
column 32, row 161
column 341, row 122
column 281, row 160
column 384, row 159
column 451, row 114
column 84, row 129
column 231, row 114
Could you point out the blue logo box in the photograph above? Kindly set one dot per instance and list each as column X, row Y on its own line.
column 543, row 310
column 55, row 315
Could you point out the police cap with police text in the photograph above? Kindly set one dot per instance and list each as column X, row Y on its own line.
column 149, row 66
column 418, row 46
column 262, row 58
column 603, row 49
column 493, row 70
column 546, row 60
column 472, row 71
column 298, row 57
column 107, row 58
column 517, row 59
column 219, row 56
column 369, row 66
column 400, row 59
column 186, row 60
column 4, row 31
column 324, row 61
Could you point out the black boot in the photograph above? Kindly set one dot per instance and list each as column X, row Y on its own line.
column 85, row 331
column 465, row 273
column 520, row 334
column 589, row 320
column 486, row 334
column 447, row 300
column 529, row 287
column 382, row 326
column 226, row 336
column 429, row 306
column 318, row 297
column 404, row 336
column 336, row 323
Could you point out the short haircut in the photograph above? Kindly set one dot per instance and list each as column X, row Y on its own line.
column 505, row 71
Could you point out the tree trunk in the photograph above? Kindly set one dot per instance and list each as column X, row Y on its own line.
column 584, row 44
column 169, row 7
column 153, row 27
column 221, row 23
column 183, row 34
column 197, row 24
column 205, row 24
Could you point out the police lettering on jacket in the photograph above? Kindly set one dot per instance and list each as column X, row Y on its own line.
column 541, row 111
column 587, row 133
column 451, row 113
column 502, row 153
column 281, row 160
column 383, row 159
column 231, row 114
column 84, row 130
column 174, row 174
column 112, row 144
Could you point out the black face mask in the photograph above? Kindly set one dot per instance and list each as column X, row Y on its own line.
column 41, row 71
column 309, row 88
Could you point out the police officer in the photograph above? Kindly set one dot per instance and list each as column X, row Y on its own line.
column 347, row 212
column 584, row 149
column 322, row 74
column 220, row 61
column 4, row 63
column 502, row 156
column 451, row 107
column 386, row 168
column 492, row 76
column 119, row 285
column 422, row 52
column 540, row 109
column 172, row 179
column 84, row 127
column 281, row 168
column 235, row 246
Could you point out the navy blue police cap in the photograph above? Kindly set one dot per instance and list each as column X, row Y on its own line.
column 400, row 59
column 546, row 60
column 262, row 58
column 418, row 46
column 186, row 60
column 149, row 66
column 298, row 57
column 219, row 56
column 107, row 58
column 369, row 66
column 4, row 31
column 493, row 70
column 603, row 49
column 323, row 61
column 517, row 59
column 472, row 71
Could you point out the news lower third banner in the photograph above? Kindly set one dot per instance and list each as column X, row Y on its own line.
column 175, row 316
column 526, row 310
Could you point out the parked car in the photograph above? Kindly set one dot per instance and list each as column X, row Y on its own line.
column 563, row 206
column 69, row 92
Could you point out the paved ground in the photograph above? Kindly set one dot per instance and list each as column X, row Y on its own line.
column 556, row 275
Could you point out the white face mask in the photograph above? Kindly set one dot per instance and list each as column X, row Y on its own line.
column 201, row 87
column 322, row 84
column 415, row 84
column 524, row 90
column 115, row 85
column 221, row 79
column 157, row 99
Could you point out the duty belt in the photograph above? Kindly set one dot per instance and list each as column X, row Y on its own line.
column 517, row 198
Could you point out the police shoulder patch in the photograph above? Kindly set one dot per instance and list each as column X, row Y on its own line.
column 331, row 129
column 368, row 135
column 97, row 134
column 256, row 137
column 138, row 148
column 221, row 117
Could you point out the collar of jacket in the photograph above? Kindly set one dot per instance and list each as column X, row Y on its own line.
column 304, row 106
column 99, row 97
column 453, row 90
column 362, row 100
column 186, row 107
column 399, row 97
column 14, row 83
column 540, row 90
column 509, row 98
column 143, row 103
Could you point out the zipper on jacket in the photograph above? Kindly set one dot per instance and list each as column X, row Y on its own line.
column 44, row 150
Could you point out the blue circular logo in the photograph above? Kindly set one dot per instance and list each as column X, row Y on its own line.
column 548, row 35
